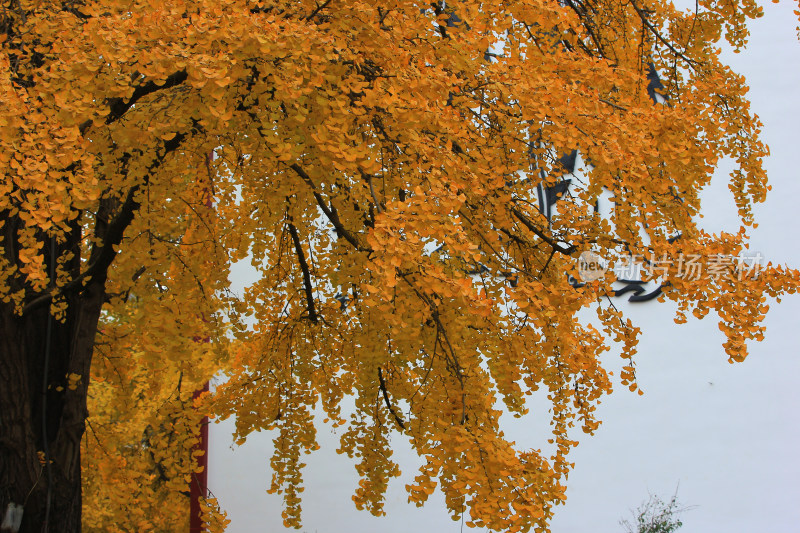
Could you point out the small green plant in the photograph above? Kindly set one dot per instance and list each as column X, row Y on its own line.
column 655, row 516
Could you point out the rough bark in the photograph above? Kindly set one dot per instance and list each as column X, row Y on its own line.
column 42, row 417
column 34, row 423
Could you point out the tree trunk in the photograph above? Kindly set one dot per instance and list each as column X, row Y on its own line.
column 42, row 411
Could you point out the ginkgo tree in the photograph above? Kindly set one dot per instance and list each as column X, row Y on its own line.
column 377, row 163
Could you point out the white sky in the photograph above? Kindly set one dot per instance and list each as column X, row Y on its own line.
column 729, row 435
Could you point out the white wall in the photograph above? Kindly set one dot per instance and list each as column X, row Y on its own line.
column 728, row 434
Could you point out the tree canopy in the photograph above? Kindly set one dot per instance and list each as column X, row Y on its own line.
column 378, row 164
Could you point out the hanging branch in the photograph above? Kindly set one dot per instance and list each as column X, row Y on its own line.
column 386, row 400
column 301, row 258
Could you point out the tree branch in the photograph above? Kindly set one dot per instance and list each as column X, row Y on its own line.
column 329, row 212
column 319, row 8
column 532, row 227
column 386, row 400
column 119, row 106
column 301, row 258
column 612, row 104
column 643, row 15
column 110, row 233
column 102, row 256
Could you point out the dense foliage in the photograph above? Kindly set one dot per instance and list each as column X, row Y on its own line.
column 377, row 163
